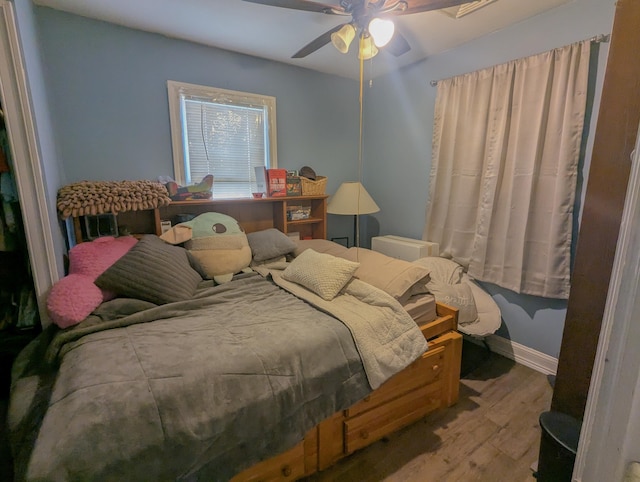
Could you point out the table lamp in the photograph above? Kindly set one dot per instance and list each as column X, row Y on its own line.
column 352, row 198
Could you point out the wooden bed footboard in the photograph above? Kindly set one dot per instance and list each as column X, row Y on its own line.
column 430, row 383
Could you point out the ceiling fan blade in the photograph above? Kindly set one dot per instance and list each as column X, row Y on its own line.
column 305, row 5
column 398, row 45
column 417, row 6
column 315, row 44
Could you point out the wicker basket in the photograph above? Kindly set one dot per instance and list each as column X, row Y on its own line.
column 313, row 188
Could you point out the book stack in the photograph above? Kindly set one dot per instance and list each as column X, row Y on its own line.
column 272, row 182
column 277, row 179
column 294, row 186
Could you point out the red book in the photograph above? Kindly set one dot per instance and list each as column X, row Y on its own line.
column 277, row 182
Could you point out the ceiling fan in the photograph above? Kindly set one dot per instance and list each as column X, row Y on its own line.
column 362, row 13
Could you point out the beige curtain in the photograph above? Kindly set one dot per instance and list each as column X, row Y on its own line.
column 506, row 144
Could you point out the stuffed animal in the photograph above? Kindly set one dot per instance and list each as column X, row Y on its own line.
column 216, row 241
column 202, row 190
column 76, row 295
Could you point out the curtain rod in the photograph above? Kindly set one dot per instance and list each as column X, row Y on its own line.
column 603, row 37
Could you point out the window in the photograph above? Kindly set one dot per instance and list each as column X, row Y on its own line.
column 221, row 132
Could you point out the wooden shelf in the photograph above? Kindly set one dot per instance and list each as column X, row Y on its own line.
column 255, row 215
column 305, row 221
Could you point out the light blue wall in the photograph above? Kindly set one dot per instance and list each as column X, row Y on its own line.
column 106, row 89
column 52, row 172
column 108, row 94
column 399, row 112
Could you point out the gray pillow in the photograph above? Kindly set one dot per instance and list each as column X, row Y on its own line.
column 269, row 243
column 154, row 271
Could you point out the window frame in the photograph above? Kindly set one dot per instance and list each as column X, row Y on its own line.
column 176, row 90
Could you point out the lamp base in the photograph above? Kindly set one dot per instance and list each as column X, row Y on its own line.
column 355, row 231
column 339, row 240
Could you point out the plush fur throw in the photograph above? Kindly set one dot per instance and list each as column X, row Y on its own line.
column 99, row 197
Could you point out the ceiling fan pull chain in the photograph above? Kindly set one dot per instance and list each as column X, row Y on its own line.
column 360, row 137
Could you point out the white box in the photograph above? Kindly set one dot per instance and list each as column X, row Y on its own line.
column 404, row 248
column 165, row 226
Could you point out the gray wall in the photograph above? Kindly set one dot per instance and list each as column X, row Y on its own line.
column 399, row 112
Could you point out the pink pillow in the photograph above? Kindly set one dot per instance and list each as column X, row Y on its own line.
column 72, row 299
column 75, row 296
column 93, row 259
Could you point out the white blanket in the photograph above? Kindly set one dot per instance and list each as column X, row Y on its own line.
column 387, row 338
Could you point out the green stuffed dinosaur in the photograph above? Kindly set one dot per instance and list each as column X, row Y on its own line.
column 218, row 243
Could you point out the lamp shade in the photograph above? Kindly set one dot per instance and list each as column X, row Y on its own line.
column 381, row 30
column 367, row 48
column 352, row 198
column 343, row 37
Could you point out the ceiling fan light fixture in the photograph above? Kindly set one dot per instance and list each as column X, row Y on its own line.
column 367, row 48
column 381, row 30
column 343, row 37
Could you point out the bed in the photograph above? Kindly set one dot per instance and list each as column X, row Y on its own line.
column 259, row 378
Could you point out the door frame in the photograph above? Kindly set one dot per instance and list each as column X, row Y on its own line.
column 609, row 437
column 27, row 169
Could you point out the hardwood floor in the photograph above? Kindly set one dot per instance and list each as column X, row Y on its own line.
column 491, row 435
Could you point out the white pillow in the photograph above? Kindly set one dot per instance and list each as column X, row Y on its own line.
column 401, row 279
column 320, row 246
column 442, row 269
column 489, row 315
column 459, row 296
column 321, row 273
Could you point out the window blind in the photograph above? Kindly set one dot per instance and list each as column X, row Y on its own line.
column 227, row 141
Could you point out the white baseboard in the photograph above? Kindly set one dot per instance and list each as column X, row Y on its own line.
column 524, row 355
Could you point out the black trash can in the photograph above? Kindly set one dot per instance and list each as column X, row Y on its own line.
column 558, row 446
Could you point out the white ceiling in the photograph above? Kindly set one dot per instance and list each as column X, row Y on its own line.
column 277, row 33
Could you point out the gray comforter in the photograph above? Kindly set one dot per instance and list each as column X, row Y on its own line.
column 194, row 390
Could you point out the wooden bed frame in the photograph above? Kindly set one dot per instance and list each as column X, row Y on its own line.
column 430, row 383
